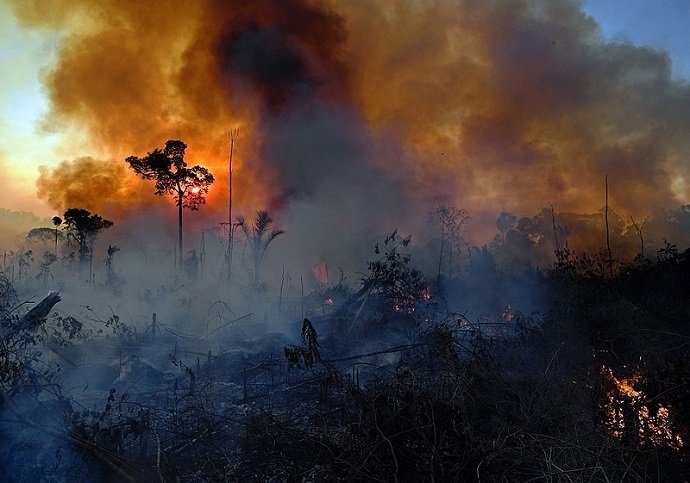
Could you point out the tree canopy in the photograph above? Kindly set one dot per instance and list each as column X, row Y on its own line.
column 169, row 170
column 83, row 227
column 42, row 234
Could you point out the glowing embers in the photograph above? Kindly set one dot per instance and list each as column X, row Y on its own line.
column 630, row 414
column 405, row 306
column 507, row 315
column 408, row 303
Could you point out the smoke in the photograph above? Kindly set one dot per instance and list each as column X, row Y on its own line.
column 360, row 114
column 83, row 183
column 522, row 103
column 286, row 52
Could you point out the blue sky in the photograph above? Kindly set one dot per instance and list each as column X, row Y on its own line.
column 662, row 24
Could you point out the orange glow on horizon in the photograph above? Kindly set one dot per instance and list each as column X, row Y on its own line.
column 495, row 107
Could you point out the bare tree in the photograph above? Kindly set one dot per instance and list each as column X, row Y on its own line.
column 169, row 170
column 638, row 229
column 450, row 222
column 606, row 222
column 234, row 135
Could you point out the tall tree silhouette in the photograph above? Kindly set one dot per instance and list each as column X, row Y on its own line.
column 234, row 135
column 169, row 170
column 83, row 227
column 259, row 235
column 57, row 221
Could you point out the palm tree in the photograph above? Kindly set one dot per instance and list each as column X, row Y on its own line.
column 259, row 235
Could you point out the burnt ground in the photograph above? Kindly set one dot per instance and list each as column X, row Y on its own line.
column 388, row 383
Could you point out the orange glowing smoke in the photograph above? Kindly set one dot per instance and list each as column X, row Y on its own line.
column 486, row 105
column 320, row 272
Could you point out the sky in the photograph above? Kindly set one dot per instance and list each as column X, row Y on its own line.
column 30, row 50
column 662, row 24
column 23, row 54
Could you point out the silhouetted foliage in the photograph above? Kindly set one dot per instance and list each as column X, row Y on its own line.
column 83, row 227
column 403, row 288
column 41, row 235
column 259, row 235
column 173, row 177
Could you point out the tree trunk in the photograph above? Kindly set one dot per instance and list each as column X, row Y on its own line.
column 256, row 270
column 180, row 251
column 230, row 240
column 37, row 315
column 440, row 257
column 606, row 220
column 91, row 262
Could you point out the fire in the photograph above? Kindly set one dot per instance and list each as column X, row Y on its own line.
column 196, row 190
column 320, row 272
column 628, row 412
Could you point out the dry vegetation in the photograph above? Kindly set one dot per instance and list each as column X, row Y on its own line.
column 386, row 385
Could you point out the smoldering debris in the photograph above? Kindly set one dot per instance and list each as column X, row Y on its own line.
column 375, row 369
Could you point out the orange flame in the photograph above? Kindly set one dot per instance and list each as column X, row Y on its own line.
column 627, row 406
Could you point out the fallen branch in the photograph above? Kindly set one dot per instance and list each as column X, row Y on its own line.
column 386, row 351
column 225, row 325
column 37, row 315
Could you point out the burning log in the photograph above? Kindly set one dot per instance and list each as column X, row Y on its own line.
column 37, row 315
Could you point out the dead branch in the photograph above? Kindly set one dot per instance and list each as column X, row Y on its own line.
column 37, row 315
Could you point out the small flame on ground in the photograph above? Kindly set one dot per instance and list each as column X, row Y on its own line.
column 507, row 315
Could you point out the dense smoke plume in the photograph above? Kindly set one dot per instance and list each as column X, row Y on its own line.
column 85, row 183
column 356, row 113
